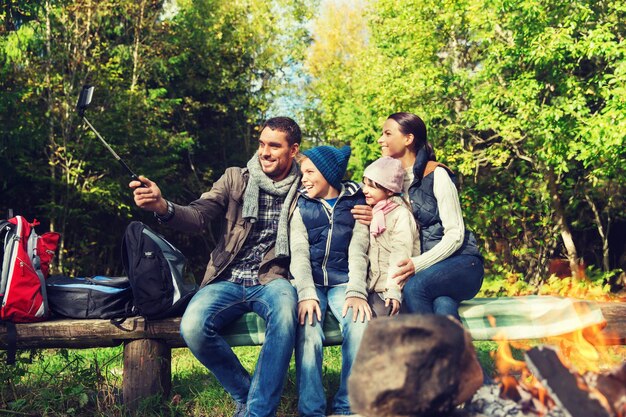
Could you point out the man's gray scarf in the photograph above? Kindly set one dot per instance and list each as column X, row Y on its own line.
column 286, row 188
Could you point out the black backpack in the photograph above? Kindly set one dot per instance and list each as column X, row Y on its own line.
column 156, row 271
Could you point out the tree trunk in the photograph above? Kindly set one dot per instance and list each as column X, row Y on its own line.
column 51, row 147
column 7, row 15
column 566, row 233
column 603, row 235
column 136, row 41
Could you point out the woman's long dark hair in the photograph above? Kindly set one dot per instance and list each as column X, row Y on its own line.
column 412, row 124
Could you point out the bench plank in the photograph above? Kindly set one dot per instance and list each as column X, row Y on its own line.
column 74, row 333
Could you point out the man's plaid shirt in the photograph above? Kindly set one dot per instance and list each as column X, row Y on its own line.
column 244, row 269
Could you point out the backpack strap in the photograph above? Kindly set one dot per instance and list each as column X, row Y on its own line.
column 117, row 321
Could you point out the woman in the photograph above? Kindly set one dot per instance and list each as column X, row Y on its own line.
column 450, row 266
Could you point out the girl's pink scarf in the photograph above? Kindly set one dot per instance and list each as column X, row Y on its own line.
column 377, row 226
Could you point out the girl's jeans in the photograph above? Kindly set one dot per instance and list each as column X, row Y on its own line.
column 309, row 347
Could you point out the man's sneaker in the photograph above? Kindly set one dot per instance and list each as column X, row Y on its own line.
column 240, row 409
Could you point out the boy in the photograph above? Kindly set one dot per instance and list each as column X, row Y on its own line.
column 329, row 267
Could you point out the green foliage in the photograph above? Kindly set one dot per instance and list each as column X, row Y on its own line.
column 523, row 99
column 178, row 97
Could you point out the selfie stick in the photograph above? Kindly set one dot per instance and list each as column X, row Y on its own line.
column 115, row 155
column 83, row 101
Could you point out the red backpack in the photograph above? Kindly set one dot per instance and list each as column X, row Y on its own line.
column 24, row 270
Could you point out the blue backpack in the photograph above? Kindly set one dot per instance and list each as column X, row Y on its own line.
column 96, row 297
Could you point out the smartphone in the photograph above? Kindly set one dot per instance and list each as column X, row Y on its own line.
column 84, row 99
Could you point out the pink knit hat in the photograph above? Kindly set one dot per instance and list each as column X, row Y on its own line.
column 386, row 172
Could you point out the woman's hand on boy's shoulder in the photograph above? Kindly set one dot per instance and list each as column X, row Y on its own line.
column 309, row 307
column 362, row 213
column 360, row 308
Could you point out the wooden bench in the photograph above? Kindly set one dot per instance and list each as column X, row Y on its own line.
column 147, row 345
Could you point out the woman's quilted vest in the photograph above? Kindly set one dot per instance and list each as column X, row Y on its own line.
column 426, row 212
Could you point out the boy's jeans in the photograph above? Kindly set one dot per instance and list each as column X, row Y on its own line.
column 440, row 288
column 309, row 339
column 218, row 304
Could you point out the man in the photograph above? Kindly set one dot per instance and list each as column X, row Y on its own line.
column 247, row 270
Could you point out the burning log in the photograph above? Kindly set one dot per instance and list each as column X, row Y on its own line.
column 613, row 386
column 567, row 389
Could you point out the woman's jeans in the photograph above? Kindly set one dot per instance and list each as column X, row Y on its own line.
column 440, row 288
column 309, row 347
column 218, row 304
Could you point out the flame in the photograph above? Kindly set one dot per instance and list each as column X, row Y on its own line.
column 517, row 383
column 505, row 362
column 585, row 350
column 580, row 351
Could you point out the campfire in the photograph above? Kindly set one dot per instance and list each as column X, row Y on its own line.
column 565, row 376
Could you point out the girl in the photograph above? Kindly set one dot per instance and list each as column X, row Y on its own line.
column 393, row 233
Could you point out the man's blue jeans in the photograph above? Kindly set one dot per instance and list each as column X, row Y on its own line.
column 309, row 353
column 218, row 304
column 440, row 288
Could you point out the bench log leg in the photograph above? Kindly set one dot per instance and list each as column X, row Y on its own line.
column 147, row 370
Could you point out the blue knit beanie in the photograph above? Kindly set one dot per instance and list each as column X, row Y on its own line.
column 331, row 162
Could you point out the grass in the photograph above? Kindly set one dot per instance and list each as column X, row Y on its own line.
column 205, row 397
column 88, row 382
